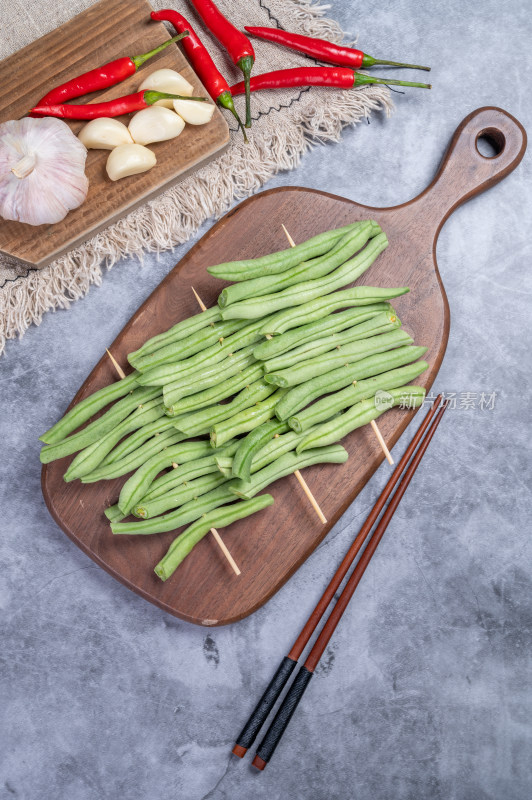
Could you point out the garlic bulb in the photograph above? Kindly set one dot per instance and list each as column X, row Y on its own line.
column 42, row 170
column 129, row 159
column 155, row 125
column 193, row 112
column 169, row 81
column 104, row 133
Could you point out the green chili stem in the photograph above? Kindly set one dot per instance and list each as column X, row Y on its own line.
column 226, row 100
column 246, row 65
column 139, row 60
column 369, row 61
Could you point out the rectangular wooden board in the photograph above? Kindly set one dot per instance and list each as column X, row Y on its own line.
column 108, row 30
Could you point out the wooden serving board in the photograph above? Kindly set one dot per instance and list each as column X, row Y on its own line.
column 271, row 545
column 108, row 30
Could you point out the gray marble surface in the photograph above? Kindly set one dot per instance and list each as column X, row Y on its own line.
column 423, row 692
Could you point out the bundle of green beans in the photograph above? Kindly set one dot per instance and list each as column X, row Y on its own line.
column 230, row 400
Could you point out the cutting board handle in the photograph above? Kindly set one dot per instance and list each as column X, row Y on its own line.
column 464, row 171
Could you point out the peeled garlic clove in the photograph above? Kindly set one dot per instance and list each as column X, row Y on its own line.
column 169, row 81
column 104, row 133
column 129, row 159
column 155, row 125
column 193, row 112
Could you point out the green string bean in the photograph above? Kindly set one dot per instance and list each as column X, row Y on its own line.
column 384, row 322
column 177, row 497
column 86, row 408
column 135, row 458
column 303, row 292
column 286, row 465
column 269, row 452
column 360, row 414
column 137, row 485
column 92, row 432
column 321, row 307
column 88, row 459
column 330, row 405
column 232, row 365
column 215, row 519
column 304, row 393
column 179, row 331
column 251, row 444
column 225, row 465
column 184, row 348
column 185, row 370
column 347, row 354
column 245, row 421
column 215, row 394
column 137, row 438
column 277, row 345
column 201, row 466
column 113, row 513
column 273, row 263
column 199, row 422
column 188, row 512
column 345, row 248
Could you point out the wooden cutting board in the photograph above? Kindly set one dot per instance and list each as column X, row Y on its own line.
column 108, row 30
column 271, row 545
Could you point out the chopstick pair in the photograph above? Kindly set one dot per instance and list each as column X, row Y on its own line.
column 403, row 473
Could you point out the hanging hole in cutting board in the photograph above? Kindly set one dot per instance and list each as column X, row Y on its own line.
column 490, row 143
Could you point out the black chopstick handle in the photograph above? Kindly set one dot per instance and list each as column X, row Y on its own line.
column 265, row 705
column 280, row 722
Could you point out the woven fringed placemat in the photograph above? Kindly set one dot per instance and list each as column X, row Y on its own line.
column 285, row 124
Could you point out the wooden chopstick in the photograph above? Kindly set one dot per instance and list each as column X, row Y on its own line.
column 273, row 691
column 302, row 679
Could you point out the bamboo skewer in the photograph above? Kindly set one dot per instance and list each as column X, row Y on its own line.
column 374, row 425
column 382, row 443
column 221, row 545
column 200, row 301
column 115, row 364
column 297, row 473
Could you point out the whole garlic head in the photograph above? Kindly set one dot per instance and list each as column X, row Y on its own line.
column 104, row 133
column 193, row 112
column 169, row 81
column 155, row 125
column 42, row 170
column 129, row 159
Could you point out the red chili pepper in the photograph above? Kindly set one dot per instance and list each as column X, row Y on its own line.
column 235, row 42
column 342, row 77
column 112, row 108
column 101, row 77
column 208, row 73
column 324, row 50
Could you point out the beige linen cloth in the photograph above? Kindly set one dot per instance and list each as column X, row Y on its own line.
column 285, row 124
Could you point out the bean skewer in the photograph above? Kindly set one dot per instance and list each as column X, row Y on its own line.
column 217, row 537
column 299, row 477
column 374, row 426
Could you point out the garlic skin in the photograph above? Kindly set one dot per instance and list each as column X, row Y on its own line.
column 129, row 159
column 193, row 112
column 169, row 81
column 104, row 133
column 155, row 125
column 42, row 170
